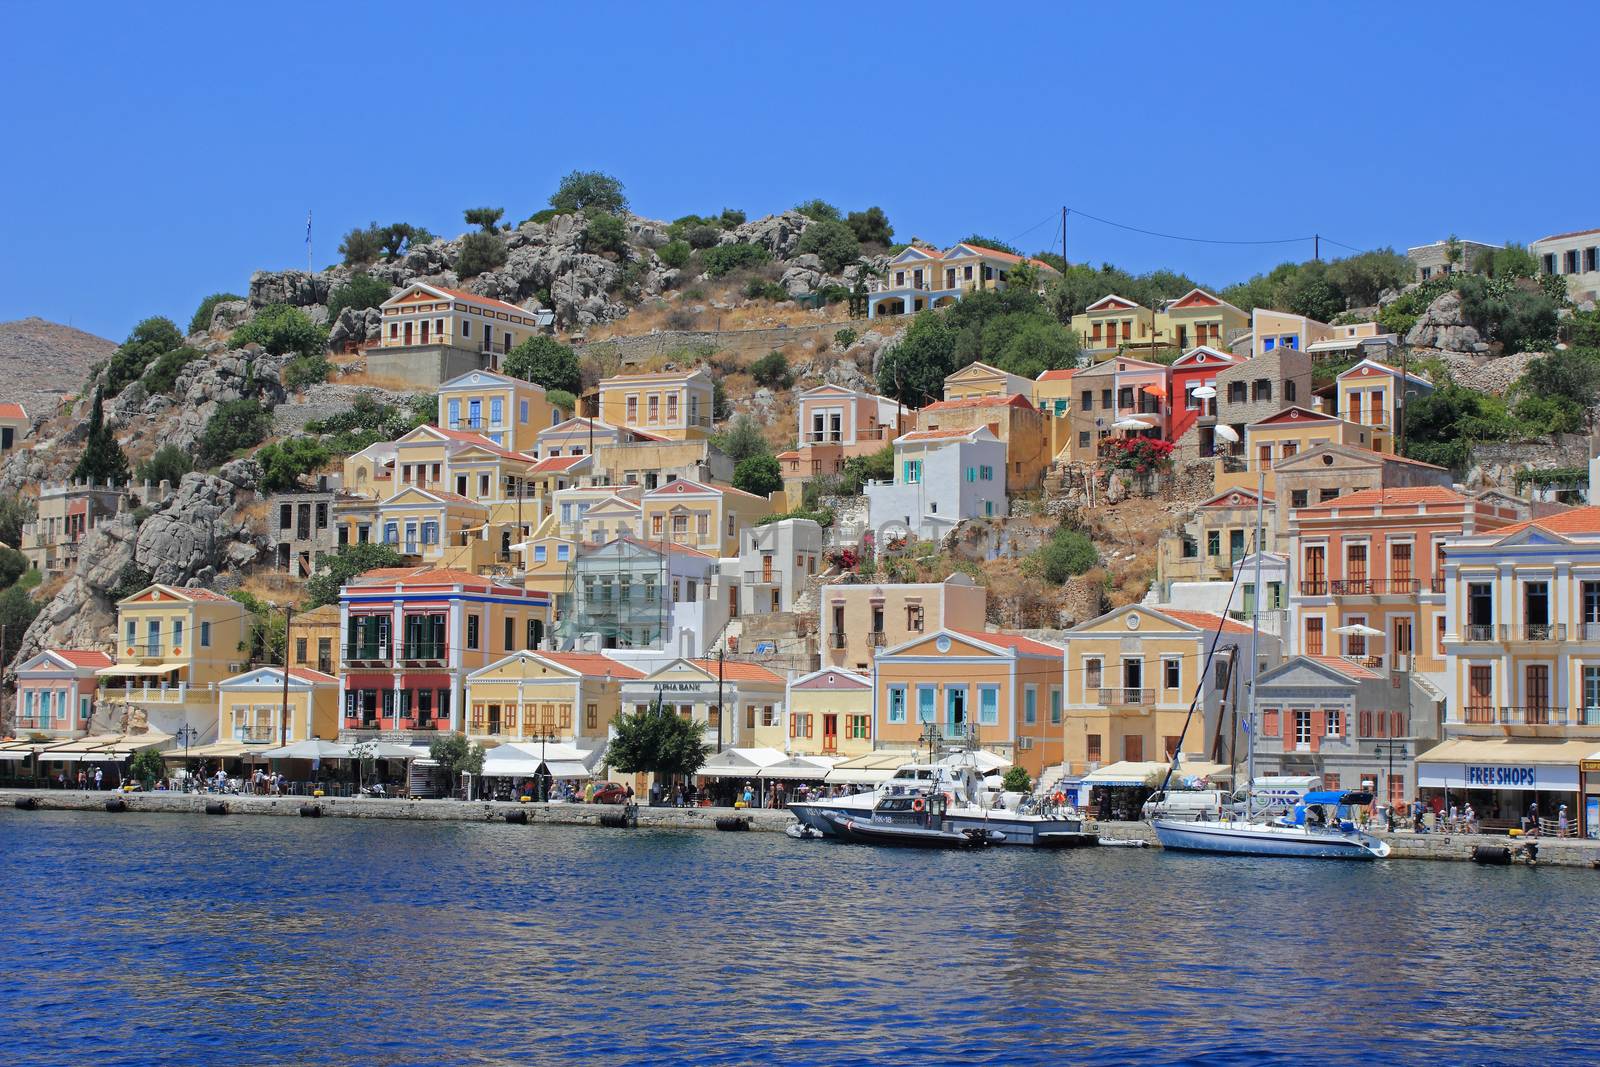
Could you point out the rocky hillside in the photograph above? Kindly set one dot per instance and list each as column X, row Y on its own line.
column 46, row 362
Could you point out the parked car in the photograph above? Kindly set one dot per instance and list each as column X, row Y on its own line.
column 610, row 793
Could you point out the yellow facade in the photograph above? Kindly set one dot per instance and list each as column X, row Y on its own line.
column 250, row 707
column 672, row 404
column 1283, row 436
column 1000, row 690
column 1369, row 395
column 314, row 640
column 556, row 696
column 1114, row 322
column 1200, row 318
column 708, row 518
column 174, row 645
column 508, row 411
column 859, row 620
column 980, row 379
column 828, row 713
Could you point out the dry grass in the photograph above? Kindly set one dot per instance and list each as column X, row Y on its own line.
column 275, row 587
column 377, row 381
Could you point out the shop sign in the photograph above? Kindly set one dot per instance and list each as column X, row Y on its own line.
column 1590, row 766
column 1500, row 777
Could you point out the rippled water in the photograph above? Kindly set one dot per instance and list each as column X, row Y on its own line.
column 158, row 938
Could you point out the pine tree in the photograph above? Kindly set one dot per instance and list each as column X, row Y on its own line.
column 103, row 459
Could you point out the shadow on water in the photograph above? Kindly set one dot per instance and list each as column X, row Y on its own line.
column 154, row 937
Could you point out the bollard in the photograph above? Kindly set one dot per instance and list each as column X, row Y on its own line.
column 216, row 807
column 118, row 805
column 311, row 811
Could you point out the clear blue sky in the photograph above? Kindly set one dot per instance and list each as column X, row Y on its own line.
column 159, row 153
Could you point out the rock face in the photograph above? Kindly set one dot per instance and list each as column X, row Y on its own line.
column 1445, row 327
column 778, row 234
column 45, row 362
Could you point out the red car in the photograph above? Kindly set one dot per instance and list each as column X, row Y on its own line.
column 610, row 793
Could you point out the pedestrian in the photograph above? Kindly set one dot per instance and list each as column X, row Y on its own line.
column 1471, row 818
column 1561, row 821
column 1532, row 821
column 83, row 780
column 98, row 779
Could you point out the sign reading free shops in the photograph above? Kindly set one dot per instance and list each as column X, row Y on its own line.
column 1530, row 777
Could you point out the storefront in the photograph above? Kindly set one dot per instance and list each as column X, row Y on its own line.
column 1589, row 814
column 1502, row 777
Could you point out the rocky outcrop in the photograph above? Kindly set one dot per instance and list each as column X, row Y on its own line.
column 295, row 287
column 353, row 325
column 778, row 234
column 221, row 375
column 1444, row 326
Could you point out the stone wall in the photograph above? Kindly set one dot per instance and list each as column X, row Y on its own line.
column 758, row 342
column 1495, row 463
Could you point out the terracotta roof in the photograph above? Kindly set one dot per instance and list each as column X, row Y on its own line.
column 661, row 545
column 82, row 657
column 1015, row 642
column 1014, row 400
column 939, row 435
column 1346, row 667
column 198, row 594
column 1570, row 233
column 1575, row 521
column 314, row 677
column 924, row 249
column 1288, row 414
column 791, row 454
column 1057, row 375
column 487, row 301
column 1205, row 620
column 1009, row 257
column 479, row 441
column 591, row 664
column 556, row 463
column 1420, row 494
column 681, row 486
column 9, row 410
column 735, row 670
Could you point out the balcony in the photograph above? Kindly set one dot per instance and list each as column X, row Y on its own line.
column 1480, row 631
column 876, row 639
column 367, row 654
column 1540, row 716
column 1436, row 585
column 1127, row 697
column 161, row 694
column 836, row 639
column 1536, row 632
column 1313, row 587
column 1477, row 715
column 255, row 735
column 1373, row 586
column 423, row 652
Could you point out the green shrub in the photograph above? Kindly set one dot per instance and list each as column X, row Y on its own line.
column 871, row 226
column 990, row 242
column 169, row 464
column 14, row 512
column 821, row 516
column 284, row 463
column 345, row 563
column 819, row 210
column 675, row 253
column 131, row 579
column 13, row 565
column 235, row 425
column 725, row 259
column 742, row 439
column 760, row 475
column 361, row 292
column 772, row 371
column 200, row 322
column 1519, row 319
column 305, row 371
column 831, row 241
column 859, row 470
column 368, row 421
column 604, row 233
column 148, row 341
column 147, row 767
column 843, row 339
column 480, row 252
column 542, row 217
column 762, row 289
column 703, row 236
column 281, row 329
column 1016, row 781
column 1069, row 554
column 546, row 362
column 162, row 375
column 1401, row 313
column 562, row 400
column 832, row 294
column 583, row 190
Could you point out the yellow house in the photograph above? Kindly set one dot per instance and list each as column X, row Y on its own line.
column 1280, row 437
column 1369, row 394
column 508, row 411
column 314, row 640
column 430, row 524
column 1022, row 428
column 1200, row 318
column 980, row 379
column 672, row 404
column 859, row 620
column 250, row 708
column 547, row 558
column 174, row 645
column 369, row 473
column 1131, row 675
column 1002, row 691
column 553, row 696
column 431, row 335
column 709, row 518
column 828, row 713
column 1114, row 322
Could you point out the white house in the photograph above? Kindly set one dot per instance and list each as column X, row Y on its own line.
column 772, row 566
column 1574, row 256
column 940, row 478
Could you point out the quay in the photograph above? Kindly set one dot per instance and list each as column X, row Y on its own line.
column 1553, row 851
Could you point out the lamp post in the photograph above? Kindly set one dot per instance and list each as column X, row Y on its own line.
column 1392, row 748
column 930, row 736
column 186, row 733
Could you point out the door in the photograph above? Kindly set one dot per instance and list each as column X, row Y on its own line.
column 830, row 731
column 1133, row 749
column 766, row 569
column 424, row 331
column 1133, row 680
column 1236, row 544
column 1315, row 583
column 408, row 333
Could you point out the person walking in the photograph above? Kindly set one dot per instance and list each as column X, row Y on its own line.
column 1533, row 819
column 98, row 778
column 1561, row 821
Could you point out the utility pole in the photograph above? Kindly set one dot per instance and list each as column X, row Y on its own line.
column 1063, row 240
column 721, row 653
column 1316, row 246
column 283, row 720
column 1400, row 405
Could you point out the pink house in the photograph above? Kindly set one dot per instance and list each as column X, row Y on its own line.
column 836, row 423
column 56, row 689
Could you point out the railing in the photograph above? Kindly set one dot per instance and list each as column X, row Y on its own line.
column 836, row 639
column 252, row 735
column 367, row 652
column 1480, row 631
column 1436, row 585
column 1225, row 560
column 875, row 638
column 423, row 650
column 1540, row 716
column 1372, row 586
column 1478, row 715
column 1536, row 632
column 479, row 423
column 1127, row 696
column 1313, row 587
column 165, row 694
column 464, row 344
column 763, row 578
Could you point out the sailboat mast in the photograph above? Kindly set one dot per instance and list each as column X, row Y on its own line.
column 1255, row 637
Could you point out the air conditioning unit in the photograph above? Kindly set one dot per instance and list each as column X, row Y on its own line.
column 236, row 668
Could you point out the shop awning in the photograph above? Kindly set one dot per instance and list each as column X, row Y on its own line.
column 1527, row 763
column 740, row 762
column 566, row 769
column 800, row 768
column 216, row 750
column 118, row 670
column 869, row 769
column 1136, row 772
column 981, row 760
column 316, row 748
column 13, row 754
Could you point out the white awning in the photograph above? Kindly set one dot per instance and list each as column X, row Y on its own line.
column 801, row 768
column 1136, row 772
column 1525, row 763
column 118, row 670
column 509, row 768
column 12, row 755
column 316, row 748
column 567, row 769
column 740, row 762
column 870, row 768
column 982, row 760
column 80, row 757
column 216, row 750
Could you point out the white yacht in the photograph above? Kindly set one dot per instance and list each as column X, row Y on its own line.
column 1320, row 827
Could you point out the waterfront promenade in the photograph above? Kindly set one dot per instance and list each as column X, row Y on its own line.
column 1557, row 852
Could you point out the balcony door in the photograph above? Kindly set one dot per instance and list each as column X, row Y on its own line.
column 1316, row 571
column 1480, row 611
column 1536, row 610
column 1132, row 680
column 830, row 731
column 408, row 333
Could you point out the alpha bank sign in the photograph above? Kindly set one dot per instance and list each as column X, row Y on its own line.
column 1489, row 776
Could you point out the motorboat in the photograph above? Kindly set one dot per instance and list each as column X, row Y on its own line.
column 801, row 832
column 1320, row 827
column 912, row 822
column 967, row 805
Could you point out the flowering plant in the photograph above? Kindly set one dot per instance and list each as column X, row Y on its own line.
column 1138, row 454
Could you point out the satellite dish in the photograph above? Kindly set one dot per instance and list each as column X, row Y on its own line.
column 1228, row 433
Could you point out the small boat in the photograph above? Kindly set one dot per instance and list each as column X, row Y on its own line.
column 1308, row 832
column 863, row 832
column 801, row 832
column 1066, row 839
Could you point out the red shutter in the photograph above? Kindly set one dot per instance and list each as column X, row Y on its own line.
column 1269, row 722
column 1319, row 726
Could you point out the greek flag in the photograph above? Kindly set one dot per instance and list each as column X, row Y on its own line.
column 308, row 229
column 1244, row 724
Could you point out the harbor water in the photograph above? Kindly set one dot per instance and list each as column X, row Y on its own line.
column 142, row 938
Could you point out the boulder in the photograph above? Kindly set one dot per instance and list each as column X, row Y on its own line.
column 778, row 234
column 1444, row 326
column 295, row 287
column 230, row 315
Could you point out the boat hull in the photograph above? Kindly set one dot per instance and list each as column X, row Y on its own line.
column 1248, row 840
column 1018, row 829
column 863, row 832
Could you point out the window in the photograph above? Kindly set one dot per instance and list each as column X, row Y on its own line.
column 925, row 701
column 1092, row 671
column 1213, row 542
column 1055, row 705
column 177, row 634
column 1334, row 725
column 1314, row 637
column 466, row 327
column 1591, row 695
column 133, row 631
column 301, row 645
column 472, row 631
column 1088, row 400
column 1289, row 392
column 653, row 407
column 1302, row 727
column 1325, row 495
column 856, row 727
column 522, row 412
column 911, row 472
column 897, row 703
column 672, row 407
column 1030, row 704
column 1091, row 748
column 988, row 705
column 1297, row 498
column 1238, row 392
column 497, row 408
column 563, row 553
column 1261, row 389
column 539, row 553
column 633, row 409
column 1480, row 687
column 510, row 634
column 1172, row 673
column 1402, row 637
column 1083, row 438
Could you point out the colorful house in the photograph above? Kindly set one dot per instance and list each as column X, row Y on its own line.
column 1001, row 691
column 250, row 708
column 174, row 646
column 1574, row 256
column 730, row 700
column 56, row 691
column 673, row 404
column 508, row 411
column 709, row 518
column 1328, row 471
column 413, row 634
column 980, row 380
column 1197, row 369
column 835, row 423
column 1370, row 394
column 1125, row 390
column 431, row 335
column 569, row 697
column 941, row 478
column 1215, row 539
column 858, row 620
column 1279, row 438
column 14, row 426
column 919, row 277
column 1114, row 323
column 1200, row 318
column 1274, row 331
column 826, row 713
column 1020, row 426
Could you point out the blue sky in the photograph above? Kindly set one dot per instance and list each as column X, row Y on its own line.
column 163, row 152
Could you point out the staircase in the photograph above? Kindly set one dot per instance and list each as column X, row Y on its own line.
column 1050, row 778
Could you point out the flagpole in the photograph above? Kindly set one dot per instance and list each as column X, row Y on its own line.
column 308, row 241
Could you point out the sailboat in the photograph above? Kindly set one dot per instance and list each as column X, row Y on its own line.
column 1319, row 827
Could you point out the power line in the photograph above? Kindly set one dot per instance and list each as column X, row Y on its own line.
column 1193, row 240
column 1030, row 229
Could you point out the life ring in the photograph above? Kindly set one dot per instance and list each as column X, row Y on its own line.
column 917, row 805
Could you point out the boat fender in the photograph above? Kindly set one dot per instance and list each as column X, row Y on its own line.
column 311, row 811
column 216, row 807
column 28, row 803
column 1059, row 797
column 517, row 816
column 118, row 805
column 917, row 805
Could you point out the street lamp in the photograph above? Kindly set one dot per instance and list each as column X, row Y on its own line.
column 186, row 733
column 1393, row 748
column 930, row 736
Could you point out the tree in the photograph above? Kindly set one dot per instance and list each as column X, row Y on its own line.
column 456, row 755
column 545, row 361
column 675, row 253
column 1521, row 317
column 1361, row 279
column 730, row 217
column 14, row 511
column 772, row 371
column 162, row 375
column 657, row 742
column 12, row 566
column 1016, row 781
column 362, row 246
column 146, row 767
column 103, row 459
column 831, row 241
column 742, row 439
column 284, row 463
column 759, row 475
column 913, row 371
column 604, row 233
column 1571, row 374
column 1037, row 344
column 819, row 211
column 282, row 329
column 721, row 406
column 725, row 259
column 361, row 292
column 1511, row 261
column 585, row 189
column 401, row 237
column 345, row 563
column 148, row 341
column 480, row 252
column 705, row 235
column 487, row 218
column 169, row 464
column 871, row 226
column 1452, row 252
column 991, row 243
column 235, row 425
column 200, row 321
column 18, row 609
column 305, row 371
column 873, row 467
column 1068, row 555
